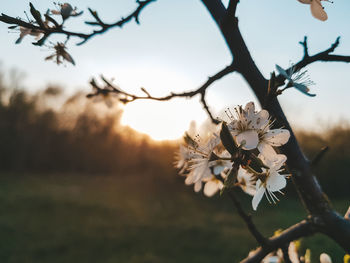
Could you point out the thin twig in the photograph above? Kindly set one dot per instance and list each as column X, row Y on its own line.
column 324, row 56
column 128, row 97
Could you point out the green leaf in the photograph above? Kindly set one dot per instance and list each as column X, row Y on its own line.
column 227, row 139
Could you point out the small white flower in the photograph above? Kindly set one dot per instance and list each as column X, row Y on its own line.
column 246, row 181
column 202, row 166
column 66, row 11
column 317, row 9
column 251, row 130
column 272, row 181
column 245, row 124
column 60, row 54
column 183, row 156
column 300, row 80
column 325, row 258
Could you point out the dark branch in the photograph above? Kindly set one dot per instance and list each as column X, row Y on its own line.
column 302, row 229
column 126, row 97
column 231, row 9
column 324, row 56
column 248, row 220
column 58, row 29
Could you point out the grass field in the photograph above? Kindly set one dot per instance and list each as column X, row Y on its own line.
column 135, row 218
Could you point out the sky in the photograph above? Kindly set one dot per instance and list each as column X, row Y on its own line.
column 177, row 46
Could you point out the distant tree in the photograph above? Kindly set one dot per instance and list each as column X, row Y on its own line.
column 243, row 153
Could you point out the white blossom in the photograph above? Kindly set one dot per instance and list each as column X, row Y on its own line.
column 202, row 165
column 252, row 129
column 271, row 181
column 298, row 79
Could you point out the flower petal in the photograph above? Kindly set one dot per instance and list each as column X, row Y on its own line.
column 249, row 108
column 258, row 195
column 211, row 188
column 198, row 186
column 266, row 150
column 250, row 139
column 276, row 182
column 282, row 72
column 277, row 137
column 325, row 258
column 303, row 88
column 317, row 10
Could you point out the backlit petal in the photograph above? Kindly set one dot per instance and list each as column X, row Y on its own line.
column 276, row 182
column 277, row 137
column 250, row 139
column 211, row 188
column 317, row 10
column 258, row 195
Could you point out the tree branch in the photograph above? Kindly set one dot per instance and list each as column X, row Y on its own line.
column 59, row 29
column 323, row 56
column 302, row 229
column 329, row 222
column 128, row 97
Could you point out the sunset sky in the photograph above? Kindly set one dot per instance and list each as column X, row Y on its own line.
column 177, row 46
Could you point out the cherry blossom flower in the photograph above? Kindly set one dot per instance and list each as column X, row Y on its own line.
column 252, row 130
column 245, row 181
column 66, row 11
column 317, row 10
column 204, row 162
column 298, row 79
column 183, row 156
column 60, row 54
column 271, row 180
column 325, row 258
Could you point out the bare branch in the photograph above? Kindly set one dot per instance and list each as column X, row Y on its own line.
column 59, row 29
column 231, row 9
column 323, row 56
column 128, row 97
column 306, row 49
column 302, row 229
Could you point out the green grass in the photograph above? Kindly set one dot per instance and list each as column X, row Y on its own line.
column 62, row 218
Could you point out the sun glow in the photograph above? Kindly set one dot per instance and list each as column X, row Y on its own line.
column 160, row 120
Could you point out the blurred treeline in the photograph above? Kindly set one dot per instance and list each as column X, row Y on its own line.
column 48, row 131
column 333, row 171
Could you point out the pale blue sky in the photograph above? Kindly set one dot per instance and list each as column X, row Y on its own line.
column 178, row 45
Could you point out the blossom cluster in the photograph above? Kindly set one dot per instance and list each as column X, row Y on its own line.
column 241, row 154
